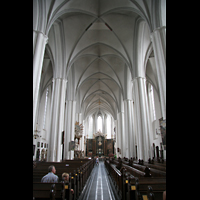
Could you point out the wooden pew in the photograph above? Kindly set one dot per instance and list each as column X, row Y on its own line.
column 154, row 172
column 134, row 193
column 142, row 185
column 127, row 183
column 134, row 171
column 115, row 175
column 50, row 191
column 137, row 188
column 41, row 169
column 79, row 171
column 154, row 166
column 158, row 184
column 142, row 168
column 137, row 172
column 150, row 193
column 150, row 163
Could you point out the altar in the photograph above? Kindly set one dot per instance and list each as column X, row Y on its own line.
column 99, row 145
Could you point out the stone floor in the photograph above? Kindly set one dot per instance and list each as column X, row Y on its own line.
column 99, row 186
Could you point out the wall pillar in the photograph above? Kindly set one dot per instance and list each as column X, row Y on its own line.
column 158, row 37
column 128, row 116
column 57, row 119
column 142, row 118
column 121, row 134
column 105, row 125
column 69, row 128
column 38, row 57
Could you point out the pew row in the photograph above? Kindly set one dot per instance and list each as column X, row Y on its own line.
column 50, row 191
column 79, row 172
column 137, row 168
column 129, row 186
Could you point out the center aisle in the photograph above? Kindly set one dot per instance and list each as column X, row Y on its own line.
column 99, row 187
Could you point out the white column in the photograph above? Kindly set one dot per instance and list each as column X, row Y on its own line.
column 82, row 139
column 135, row 129
column 138, row 121
column 85, row 130
column 37, row 68
column 142, row 118
column 57, row 119
column 69, row 128
column 94, row 125
column 126, row 128
column 117, row 138
column 112, row 127
column 158, row 37
column 50, row 120
column 86, row 133
column 149, row 123
column 121, row 134
column 95, row 121
column 105, row 125
column 128, row 104
column 133, row 150
column 73, row 125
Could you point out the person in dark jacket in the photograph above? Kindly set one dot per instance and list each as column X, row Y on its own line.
column 65, row 177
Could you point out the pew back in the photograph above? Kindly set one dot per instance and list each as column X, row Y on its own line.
column 79, row 171
column 48, row 191
column 132, row 189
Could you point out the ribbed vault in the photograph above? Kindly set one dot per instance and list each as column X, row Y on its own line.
column 92, row 45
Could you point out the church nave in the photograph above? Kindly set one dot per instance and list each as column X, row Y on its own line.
column 99, row 90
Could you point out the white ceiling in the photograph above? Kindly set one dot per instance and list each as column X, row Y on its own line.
column 93, row 45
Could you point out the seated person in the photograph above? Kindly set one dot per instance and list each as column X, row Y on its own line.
column 50, row 177
column 65, row 177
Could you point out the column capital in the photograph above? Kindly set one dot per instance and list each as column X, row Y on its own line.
column 58, row 78
column 120, row 112
column 128, row 99
column 158, row 29
column 137, row 78
column 45, row 36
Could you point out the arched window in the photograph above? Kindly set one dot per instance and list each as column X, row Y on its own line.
column 99, row 123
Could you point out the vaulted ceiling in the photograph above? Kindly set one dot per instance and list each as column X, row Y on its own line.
column 93, row 44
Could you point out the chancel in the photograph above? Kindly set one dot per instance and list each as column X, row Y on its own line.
column 99, row 90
